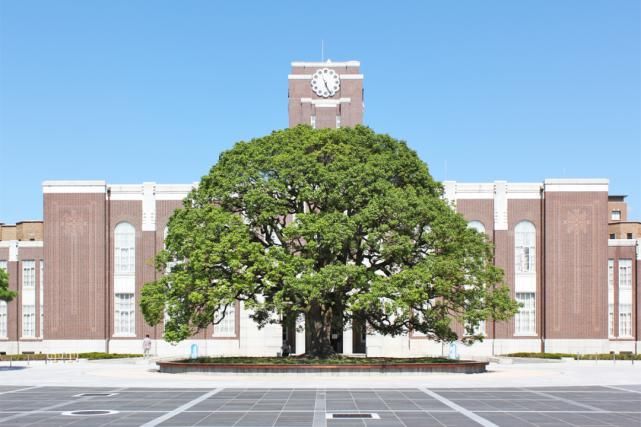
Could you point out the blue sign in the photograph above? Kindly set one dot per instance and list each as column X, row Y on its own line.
column 194, row 351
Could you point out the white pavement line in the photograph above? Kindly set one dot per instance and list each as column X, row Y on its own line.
column 564, row 400
column 20, row 389
column 320, row 408
column 621, row 388
column 471, row 415
column 180, row 409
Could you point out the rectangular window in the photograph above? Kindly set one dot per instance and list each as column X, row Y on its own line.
column 227, row 326
column 312, row 121
column 28, row 275
column 625, row 320
column 611, row 297
column 479, row 329
column 42, row 298
column 525, row 319
column 629, row 235
column 338, row 122
column 525, row 251
column 125, row 260
column 612, row 236
column 3, row 319
column 616, row 215
column 3, row 308
column 625, row 298
column 29, row 321
column 625, row 274
column 125, row 314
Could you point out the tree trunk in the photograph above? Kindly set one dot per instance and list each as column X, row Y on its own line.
column 319, row 322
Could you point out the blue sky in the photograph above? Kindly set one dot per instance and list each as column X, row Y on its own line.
column 155, row 90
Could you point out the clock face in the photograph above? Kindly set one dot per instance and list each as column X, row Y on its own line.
column 325, row 82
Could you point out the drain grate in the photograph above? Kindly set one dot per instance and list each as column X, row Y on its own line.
column 352, row 416
column 89, row 412
column 95, row 394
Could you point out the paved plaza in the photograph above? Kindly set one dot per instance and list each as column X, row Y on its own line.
column 288, row 407
column 133, row 393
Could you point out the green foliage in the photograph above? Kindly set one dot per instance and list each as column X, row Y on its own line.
column 541, row 355
column 334, row 360
column 99, row 355
column 5, row 293
column 334, row 224
column 599, row 356
column 90, row 356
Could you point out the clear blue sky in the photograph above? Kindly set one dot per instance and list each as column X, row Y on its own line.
column 154, row 90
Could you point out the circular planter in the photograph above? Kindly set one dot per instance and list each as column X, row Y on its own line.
column 461, row 367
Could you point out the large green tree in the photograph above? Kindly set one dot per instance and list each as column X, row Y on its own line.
column 334, row 224
column 5, row 293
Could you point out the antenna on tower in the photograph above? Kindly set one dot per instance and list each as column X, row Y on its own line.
column 322, row 50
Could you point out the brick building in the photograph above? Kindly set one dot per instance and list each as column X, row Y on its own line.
column 564, row 245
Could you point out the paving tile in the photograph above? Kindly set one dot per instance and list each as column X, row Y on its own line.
column 294, row 407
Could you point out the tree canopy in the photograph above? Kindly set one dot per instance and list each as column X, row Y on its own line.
column 5, row 293
column 333, row 224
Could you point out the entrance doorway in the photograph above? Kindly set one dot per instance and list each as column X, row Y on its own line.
column 289, row 336
column 359, row 336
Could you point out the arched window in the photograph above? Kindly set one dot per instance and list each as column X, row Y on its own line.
column 124, row 280
column 525, row 278
column 525, row 247
column 476, row 225
column 125, row 243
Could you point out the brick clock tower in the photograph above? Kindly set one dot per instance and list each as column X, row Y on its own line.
column 326, row 94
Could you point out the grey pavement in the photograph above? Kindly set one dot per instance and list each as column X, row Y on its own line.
column 134, row 393
column 597, row 406
column 141, row 373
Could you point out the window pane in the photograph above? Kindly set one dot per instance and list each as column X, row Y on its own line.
column 28, row 275
column 227, row 326
column 625, row 298
column 42, row 297
column 525, row 247
column 3, row 319
column 525, row 319
column 125, row 248
column 28, row 320
column 125, row 314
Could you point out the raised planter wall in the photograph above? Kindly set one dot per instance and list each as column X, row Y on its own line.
column 463, row 367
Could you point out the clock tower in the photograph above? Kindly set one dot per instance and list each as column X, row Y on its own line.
column 326, row 94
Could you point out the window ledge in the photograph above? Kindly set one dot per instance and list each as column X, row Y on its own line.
column 526, row 335
column 123, row 336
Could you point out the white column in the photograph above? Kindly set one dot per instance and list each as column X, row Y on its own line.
column 148, row 206
column 449, row 192
column 500, row 205
column 348, row 343
column 13, row 251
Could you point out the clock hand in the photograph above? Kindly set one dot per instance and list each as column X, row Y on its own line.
column 325, row 81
